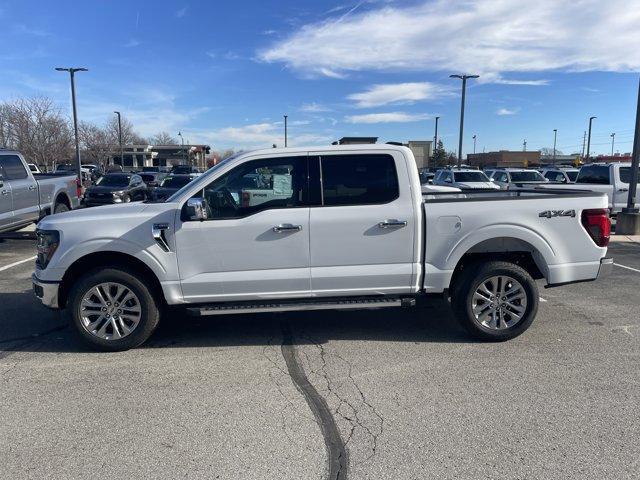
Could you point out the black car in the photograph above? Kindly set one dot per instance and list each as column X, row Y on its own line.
column 116, row 188
column 152, row 179
column 169, row 186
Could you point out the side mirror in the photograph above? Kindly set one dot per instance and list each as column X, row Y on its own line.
column 196, row 209
column 448, row 180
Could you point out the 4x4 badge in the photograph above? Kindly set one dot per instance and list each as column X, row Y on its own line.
column 557, row 213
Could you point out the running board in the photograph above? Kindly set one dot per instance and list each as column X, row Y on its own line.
column 302, row 305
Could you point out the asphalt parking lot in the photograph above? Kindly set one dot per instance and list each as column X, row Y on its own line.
column 409, row 395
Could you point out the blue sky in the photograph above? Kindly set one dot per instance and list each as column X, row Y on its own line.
column 224, row 73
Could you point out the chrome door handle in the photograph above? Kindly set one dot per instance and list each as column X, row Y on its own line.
column 287, row 227
column 32, row 187
column 393, row 223
column 623, row 189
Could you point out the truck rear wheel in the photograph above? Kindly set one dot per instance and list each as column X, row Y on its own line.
column 495, row 300
column 112, row 310
column 60, row 207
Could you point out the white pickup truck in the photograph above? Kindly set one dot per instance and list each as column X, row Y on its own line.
column 26, row 197
column 353, row 232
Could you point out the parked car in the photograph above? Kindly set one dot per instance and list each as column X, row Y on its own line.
column 184, row 170
column 515, row 178
column 344, row 227
column 464, row 178
column 113, row 168
column 116, row 188
column 560, row 175
column 151, row 169
column 152, row 179
column 426, row 177
column 26, row 197
column 170, row 185
column 95, row 171
column 34, row 168
column 610, row 178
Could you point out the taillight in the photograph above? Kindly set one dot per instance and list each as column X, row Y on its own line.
column 597, row 224
column 78, row 188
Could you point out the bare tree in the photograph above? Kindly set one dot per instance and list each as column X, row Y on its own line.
column 164, row 138
column 549, row 151
column 36, row 128
column 95, row 142
column 129, row 136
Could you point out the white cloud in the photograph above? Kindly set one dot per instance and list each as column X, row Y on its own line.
column 182, row 12
column 398, row 93
column 131, row 43
column 389, row 117
column 474, row 36
column 260, row 135
column 314, row 107
column 507, row 111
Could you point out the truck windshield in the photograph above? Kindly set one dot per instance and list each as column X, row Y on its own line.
column 572, row 174
column 112, row 180
column 202, row 180
column 625, row 174
column 526, row 177
column 470, row 177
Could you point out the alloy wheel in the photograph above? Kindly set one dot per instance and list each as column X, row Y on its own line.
column 499, row 302
column 110, row 311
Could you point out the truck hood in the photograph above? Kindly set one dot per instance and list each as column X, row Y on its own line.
column 105, row 215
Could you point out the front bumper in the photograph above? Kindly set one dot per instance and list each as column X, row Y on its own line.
column 47, row 292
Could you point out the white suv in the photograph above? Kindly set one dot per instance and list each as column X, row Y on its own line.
column 464, row 178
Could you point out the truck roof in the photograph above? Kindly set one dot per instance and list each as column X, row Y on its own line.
column 328, row 148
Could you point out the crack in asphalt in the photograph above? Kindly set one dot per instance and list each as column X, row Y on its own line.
column 354, row 415
column 337, row 455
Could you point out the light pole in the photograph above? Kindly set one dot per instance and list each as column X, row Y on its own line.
column 464, row 88
column 613, row 140
column 474, row 144
column 524, row 145
column 72, row 72
column 182, row 143
column 555, row 137
column 120, row 138
column 628, row 221
column 285, row 130
column 589, row 136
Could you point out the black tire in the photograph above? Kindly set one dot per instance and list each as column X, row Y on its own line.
column 470, row 280
column 60, row 207
column 149, row 307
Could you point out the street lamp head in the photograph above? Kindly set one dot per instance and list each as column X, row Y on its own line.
column 81, row 69
column 473, row 76
column 60, row 69
column 116, row 112
column 455, row 76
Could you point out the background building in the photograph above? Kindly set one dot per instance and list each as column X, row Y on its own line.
column 422, row 151
column 504, row 158
column 138, row 156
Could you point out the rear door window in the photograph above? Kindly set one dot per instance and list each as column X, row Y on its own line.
column 12, row 167
column 625, row 175
column 358, row 179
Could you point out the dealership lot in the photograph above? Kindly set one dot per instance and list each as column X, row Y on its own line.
column 411, row 396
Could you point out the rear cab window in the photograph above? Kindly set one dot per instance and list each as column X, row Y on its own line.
column 598, row 174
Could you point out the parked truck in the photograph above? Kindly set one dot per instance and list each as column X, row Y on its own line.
column 26, row 197
column 354, row 231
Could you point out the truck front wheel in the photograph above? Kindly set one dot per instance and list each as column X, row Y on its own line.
column 111, row 309
column 495, row 300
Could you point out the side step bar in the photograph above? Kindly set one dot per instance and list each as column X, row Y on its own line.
column 302, row 305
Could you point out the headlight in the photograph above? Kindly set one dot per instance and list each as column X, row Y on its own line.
column 117, row 194
column 47, row 244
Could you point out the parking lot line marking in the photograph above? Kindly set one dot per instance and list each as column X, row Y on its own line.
column 628, row 268
column 14, row 264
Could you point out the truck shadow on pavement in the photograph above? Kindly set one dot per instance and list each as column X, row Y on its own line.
column 27, row 326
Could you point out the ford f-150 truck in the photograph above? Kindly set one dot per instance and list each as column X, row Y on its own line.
column 348, row 228
column 26, row 197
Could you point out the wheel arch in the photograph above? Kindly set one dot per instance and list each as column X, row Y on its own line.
column 510, row 249
column 61, row 197
column 109, row 259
